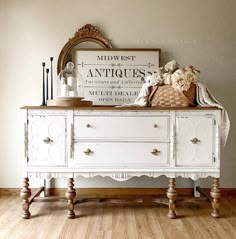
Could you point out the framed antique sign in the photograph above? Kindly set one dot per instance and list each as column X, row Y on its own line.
column 114, row 76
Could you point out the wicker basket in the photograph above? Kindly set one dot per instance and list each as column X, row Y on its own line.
column 167, row 96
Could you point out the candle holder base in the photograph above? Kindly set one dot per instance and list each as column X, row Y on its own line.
column 69, row 103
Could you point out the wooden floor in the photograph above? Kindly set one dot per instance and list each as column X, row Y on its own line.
column 116, row 219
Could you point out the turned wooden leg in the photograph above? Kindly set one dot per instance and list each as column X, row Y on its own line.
column 25, row 195
column 171, row 194
column 70, row 195
column 215, row 194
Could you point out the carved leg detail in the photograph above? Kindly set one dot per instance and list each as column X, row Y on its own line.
column 25, row 195
column 171, row 194
column 70, row 195
column 215, row 194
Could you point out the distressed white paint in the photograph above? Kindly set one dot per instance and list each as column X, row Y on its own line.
column 113, row 127
column 109, row 152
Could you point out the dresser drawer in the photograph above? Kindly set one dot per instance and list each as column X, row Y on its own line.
column 120, row 154
column 98, row 127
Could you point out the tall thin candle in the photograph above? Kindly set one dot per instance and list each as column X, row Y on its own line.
column 51, row 59
column 43, row 96
column 47, row 90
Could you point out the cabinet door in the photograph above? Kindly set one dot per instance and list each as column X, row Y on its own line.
column 46, row 140
column 195, row 136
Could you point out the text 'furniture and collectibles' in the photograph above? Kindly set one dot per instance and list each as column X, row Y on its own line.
column 121, row 142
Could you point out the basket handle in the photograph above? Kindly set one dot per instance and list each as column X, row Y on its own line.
column 153, row 91
column 187, row 99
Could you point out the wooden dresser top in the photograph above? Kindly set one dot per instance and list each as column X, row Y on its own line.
column 132, row 108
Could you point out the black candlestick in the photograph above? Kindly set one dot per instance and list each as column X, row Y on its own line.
column 47, row 71
column 51, row 59
column 43, row 97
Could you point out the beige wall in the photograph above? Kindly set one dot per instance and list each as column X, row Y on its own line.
column 198, row 32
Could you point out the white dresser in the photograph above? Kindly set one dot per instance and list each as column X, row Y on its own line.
column 121, row 143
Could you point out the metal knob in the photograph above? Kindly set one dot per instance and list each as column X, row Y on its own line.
column 155, row 125
column 155, row 152
column 47, row 140
column 88, row 125
column 88, row 151
column 195, row 140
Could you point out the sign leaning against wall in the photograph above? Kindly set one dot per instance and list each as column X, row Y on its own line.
column 114, row 76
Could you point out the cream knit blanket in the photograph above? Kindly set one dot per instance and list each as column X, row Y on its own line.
column 205, row 98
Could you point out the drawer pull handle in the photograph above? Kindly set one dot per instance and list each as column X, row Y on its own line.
column 88, row 126
column 47, row 140
column 155, row 152
column 195, row 140
column 88, row 151
column 155, row 125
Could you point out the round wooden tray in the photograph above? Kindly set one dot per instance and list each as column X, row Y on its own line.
column 69, row 103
